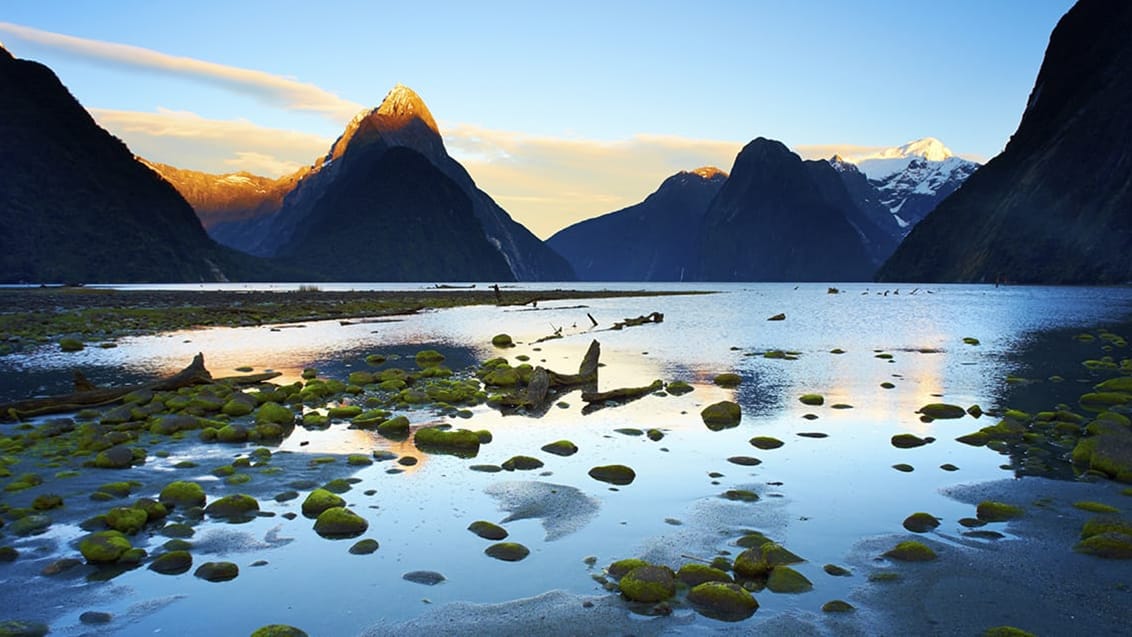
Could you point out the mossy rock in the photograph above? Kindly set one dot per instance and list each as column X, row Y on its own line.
column 752, row 540
column 396, row 428
column 617, row 474
column 46, row 502
column 487, row 530
column 507, row 551
column 1109, row 545
column 910, row 441
column 619, row 568
column 279, row 630
column 728, row 380
column 118, row 489
column 344, row 412
column 8, row 554
column 460, row 442
column 522, row 463
column 1095, row 507
column 232, row 433
column 836, row 571
column 942, row 411
column 239, row 404
column 741, row 495
column 502, row 340
column 116, row 457
column 359, row 460
column 784, row 579
column 678, row 388
column 364, row 547
column 272, row 412
column 320, row 500
column 921, row 522
column 428, row 358
column 1006, row 631
column 340, row 522
column 723, row 601
column 813, row 400
column 71, row 345
column 32, row 524
column 172, row 563
column 22, row 628
column 837, row 606
column 721, row 415
column 104, row 547
column 233, row 507
column 561, row 448
column 361, row 378
column 128, row 520
column 766, row 442
column 217, row 571
column 315, row 420
column 694, row 574
column 775, row 554
column 177, row 530
column 648, row 584
column 990, row 511
column 911, row 551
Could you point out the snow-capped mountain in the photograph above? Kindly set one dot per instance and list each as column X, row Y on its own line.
column 909, row 180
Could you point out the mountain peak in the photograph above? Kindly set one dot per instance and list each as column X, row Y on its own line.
column 402, row 105
column 709, row 172
column 929, row 148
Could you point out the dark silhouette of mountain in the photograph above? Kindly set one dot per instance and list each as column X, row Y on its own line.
column 401, row 121
column 874, row 232
column 655, row 240
column 868, row 199
column 1056, row 205
column 76, row 206
column 779, row 219
column 395, row 217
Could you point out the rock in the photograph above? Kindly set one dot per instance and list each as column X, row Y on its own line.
column 507, row 551
column 911, row 551
column 428, row 578
column 777, row 317
column 502, row 340
column 396, row 428
column 813, row 400
column 723, row 601
column 364, row 547
column 678, row 388
column 1109, row 545
column 561, row 448
column 648, row 584
column 104, row 547
column 95, row 618
column 233, row 507
column 990, row 511
column 744, row 461
column 154, row 510
column 728, row 380
column 340, row 522
column 784, row 579
column 182, row 494
column 22, row 628
column 487, row 530
column 765, row 442
column 172, row 563
column 613, row 474
column 921, row 522
column 522, row 463
column 278, row 630
column 116, row 457
column 8, row 554
column 741, row 495
column 1006, row 631
column 837, row 606
column 217, row 571
column 909, row 441
column 695, row 574
column 32, row 524
column 721, row 415
column 460, row 442
column 942, row 411
column 836, row 571
column 128, row 520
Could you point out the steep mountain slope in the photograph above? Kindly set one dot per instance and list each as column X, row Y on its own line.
column 655, row 240
column 75, row 206
column 875, row 233
column 402, row 120
column 1056, row 205
column 773, row 221
column 395, row 217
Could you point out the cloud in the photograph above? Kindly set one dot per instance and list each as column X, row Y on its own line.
column 187, row 140
column 266, row 87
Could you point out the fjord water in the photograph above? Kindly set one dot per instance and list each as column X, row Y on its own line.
column 818, row 496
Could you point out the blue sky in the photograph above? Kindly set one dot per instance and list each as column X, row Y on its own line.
column 559, row 110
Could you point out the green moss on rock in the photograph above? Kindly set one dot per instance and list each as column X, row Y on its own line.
column 648, row 584
column 911, row 551
column 723, row 601
column 561, row 448
column 172, row 563
column 721, row 415
column 364, row 547
column 128, row 520
column 233, row 507
column 694, row 574
column 278, row 630
column 766, row 442
column 217, row 571
column 502, row 340
column 942, row 411
column 104, row 547
column 678, row 388
column 507, row 551
column 728, row 380
column 182, row 494
column 990, row 511
column 619, row 568
column 522, row 463
column 460, row 442
column 784, row 579
column 837, row 606
column 921, row 522
column 617, row 474
column 340, row 522
column 320, row 500
column 272, row 412
column 396, row 428
column 487, row 530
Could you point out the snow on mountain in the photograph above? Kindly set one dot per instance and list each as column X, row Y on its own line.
column 909, row 180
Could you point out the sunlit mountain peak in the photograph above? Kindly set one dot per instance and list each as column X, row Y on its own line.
column 401, row 105
column 709, row 172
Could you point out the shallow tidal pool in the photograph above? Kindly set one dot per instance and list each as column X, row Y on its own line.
column 875, row 355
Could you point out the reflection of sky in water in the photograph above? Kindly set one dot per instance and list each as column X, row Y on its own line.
column 834, row 490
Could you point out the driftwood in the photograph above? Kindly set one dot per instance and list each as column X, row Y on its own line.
column 87, row 395
column 542, row 380
column 655, row 317
column 623, row 394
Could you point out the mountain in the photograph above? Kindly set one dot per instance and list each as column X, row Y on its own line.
column 1056, row 205
column 401, row 121
column 909, row 181
column 654, row 240
column 76, row 206
column 224, row 203
column 778, row 218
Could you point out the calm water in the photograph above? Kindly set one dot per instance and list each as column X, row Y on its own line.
column 819, row 496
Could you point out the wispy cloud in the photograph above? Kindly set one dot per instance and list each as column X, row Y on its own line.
column 272, row 89
column 187, row 140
